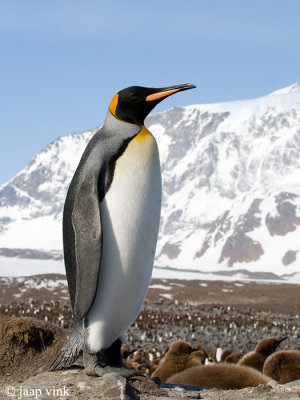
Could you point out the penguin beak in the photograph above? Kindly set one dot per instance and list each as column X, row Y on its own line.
column 280, row 341
column 167, row 91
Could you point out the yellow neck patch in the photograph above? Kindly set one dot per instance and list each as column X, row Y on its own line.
column 143, row 133
column 113, row 104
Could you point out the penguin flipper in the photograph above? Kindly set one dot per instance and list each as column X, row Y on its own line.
column 86, row 223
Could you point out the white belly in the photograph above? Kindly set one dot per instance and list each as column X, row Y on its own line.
column 130, row 216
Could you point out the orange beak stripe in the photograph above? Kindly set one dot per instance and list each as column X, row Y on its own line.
column 113, row 104
column 159, row 95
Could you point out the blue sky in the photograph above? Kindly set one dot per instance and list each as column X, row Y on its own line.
column 63, row 60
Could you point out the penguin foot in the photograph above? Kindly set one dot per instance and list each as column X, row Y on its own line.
column 94, row 371
column 93, row 364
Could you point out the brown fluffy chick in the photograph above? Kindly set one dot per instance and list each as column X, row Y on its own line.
column 126, row 351
column 178, row 358
column 134, row 359
column 234, row 357
column 283, row 366
column 220, row 376
column 140, row 356
column 153, row 365
column 201, row 355
column 133, row 365
column 255, row 359
column 154, row 362
column 225, row 353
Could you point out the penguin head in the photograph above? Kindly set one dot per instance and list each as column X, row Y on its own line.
column 268, row 345
column 134, row 103
column 180, row 348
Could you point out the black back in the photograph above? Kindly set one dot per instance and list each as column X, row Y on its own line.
column 82, row 231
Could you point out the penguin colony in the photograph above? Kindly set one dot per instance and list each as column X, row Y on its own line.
column 182, row 364
column 189, row 322
column 140, row 354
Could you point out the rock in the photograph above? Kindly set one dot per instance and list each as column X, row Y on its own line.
column 147, row 386
column 294, row 383
column 114, row 386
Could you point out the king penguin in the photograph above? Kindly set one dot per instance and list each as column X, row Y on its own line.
column 110, row 229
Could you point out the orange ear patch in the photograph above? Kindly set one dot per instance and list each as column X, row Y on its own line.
column 113, row 104
column 159, row 95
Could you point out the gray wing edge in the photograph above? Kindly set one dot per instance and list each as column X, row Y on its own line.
column 86, row 221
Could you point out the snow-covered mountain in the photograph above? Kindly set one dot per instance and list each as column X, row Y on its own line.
column 231, row 188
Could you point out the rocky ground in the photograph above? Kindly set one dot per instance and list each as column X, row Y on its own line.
column 235, row 315
column 75, row 384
